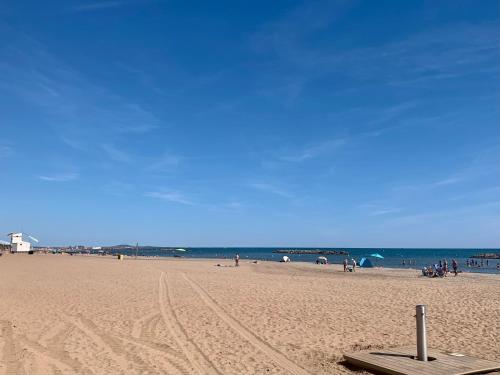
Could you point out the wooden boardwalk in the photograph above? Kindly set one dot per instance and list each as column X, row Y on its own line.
column 400, row 361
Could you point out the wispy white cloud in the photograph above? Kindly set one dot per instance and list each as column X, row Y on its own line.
column 385, row 115
column 229, row 206
column 292, row 64
column 116, row 154
column 118, row 188
column 233, row 205
column 453, row 213
column 385, row 211
column 271, row 189
column 76, row 108
column 477, row 194
column 287, row 90
column 167, row 162
column 379, row 209
column 446, row 181
column 441, row 183
column 5, row 151
column 480, row 166
column 417, row 60
column 75, row 144
column 170, row 196
column 99, row 5
column 314, row 151
column 142, row 121
column 284, row 37
column 64, row 177
column 407, row 120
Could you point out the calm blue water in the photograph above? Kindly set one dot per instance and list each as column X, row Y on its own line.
column 393, row 258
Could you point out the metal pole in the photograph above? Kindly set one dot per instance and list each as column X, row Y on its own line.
column 421, row 333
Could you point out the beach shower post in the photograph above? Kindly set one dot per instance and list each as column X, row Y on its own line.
column 421, row 333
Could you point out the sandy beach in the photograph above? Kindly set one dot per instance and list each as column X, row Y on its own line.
column 94, row 315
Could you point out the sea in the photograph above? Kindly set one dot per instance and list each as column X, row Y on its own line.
column 392, row 257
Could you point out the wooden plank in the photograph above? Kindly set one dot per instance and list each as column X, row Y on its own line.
column 372, row 366
column 462, row 361
column 399, row 361
column 400, row 365
column 408, row 366
column 441, row 354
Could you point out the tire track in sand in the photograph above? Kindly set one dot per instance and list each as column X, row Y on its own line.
column 193, row 353
column 10, row 350
column 56, row 345
column 264, row 347
column 173, row 362
column 107, row 345
column 128, row 359
column 139, row 324
column 59, row 364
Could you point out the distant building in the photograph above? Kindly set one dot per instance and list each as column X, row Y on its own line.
column 17, row 244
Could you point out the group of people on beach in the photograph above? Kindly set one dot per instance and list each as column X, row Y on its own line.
column 409, row 262
column 475, row 263
column 346, row 265
column 441, row 269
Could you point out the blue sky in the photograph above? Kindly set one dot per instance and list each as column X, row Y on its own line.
column 255, row 123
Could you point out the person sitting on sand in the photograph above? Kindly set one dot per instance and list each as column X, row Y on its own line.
column 427, row 271
column 439, row 270
column 237, row 260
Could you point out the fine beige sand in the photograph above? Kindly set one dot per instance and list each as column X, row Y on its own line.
column 95, row 315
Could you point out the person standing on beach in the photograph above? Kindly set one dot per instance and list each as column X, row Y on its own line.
column 345, row 265
column 454, row 264
column 353, row 265
column 237, row 260
column 445, row 267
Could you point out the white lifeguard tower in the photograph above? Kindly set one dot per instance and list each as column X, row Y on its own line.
column 17, row 245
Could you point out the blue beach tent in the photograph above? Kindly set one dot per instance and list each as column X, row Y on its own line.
column 366, row 263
